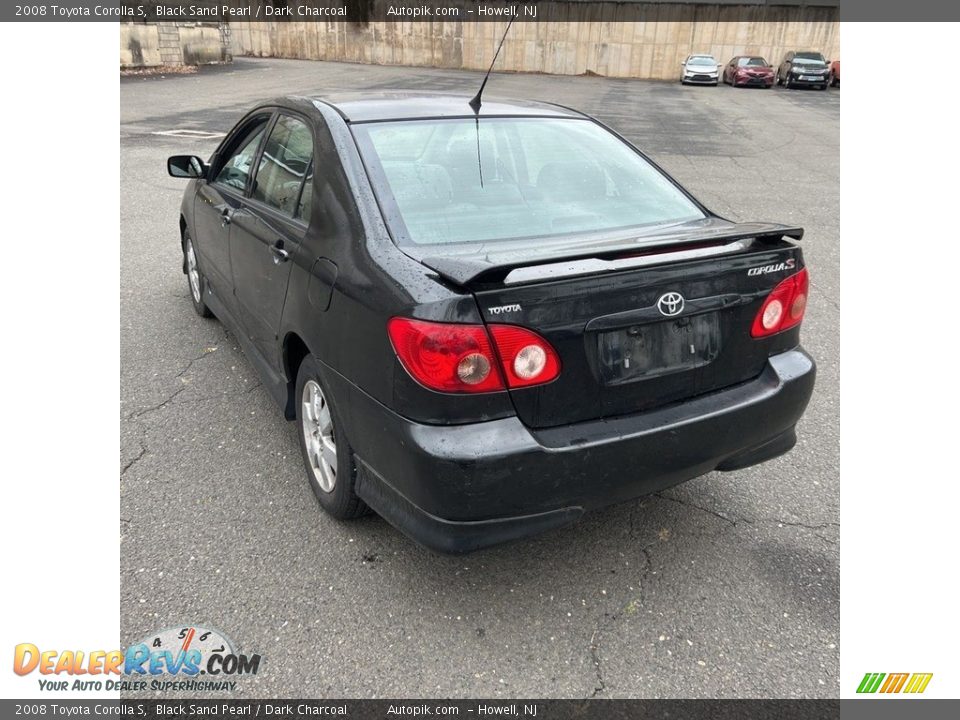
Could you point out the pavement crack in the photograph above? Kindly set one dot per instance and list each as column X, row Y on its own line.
column 734, row 521
column 708, row 511
column 207, row 351
column 596, row 639
column 819, row 526
column 133, row 461
column 153, row 408
column 806, row 526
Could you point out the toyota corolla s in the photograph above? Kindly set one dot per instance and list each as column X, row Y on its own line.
column 486, row 322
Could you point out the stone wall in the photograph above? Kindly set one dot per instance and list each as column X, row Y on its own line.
column 169, row 43
column 650, row 49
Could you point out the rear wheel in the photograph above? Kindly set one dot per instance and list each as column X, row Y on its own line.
column 327, row 456
column 195, row 279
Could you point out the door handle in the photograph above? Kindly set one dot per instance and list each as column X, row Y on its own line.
column 226, row 216
column 279, row 254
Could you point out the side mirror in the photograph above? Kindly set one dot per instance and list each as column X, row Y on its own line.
column 186, row 166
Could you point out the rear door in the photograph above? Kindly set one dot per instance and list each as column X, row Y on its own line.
column 643, row 338
column 219, row 197
column 268, row 228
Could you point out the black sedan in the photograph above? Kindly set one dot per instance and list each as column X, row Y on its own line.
column 487, row 320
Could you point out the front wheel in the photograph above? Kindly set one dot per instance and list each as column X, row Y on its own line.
column 327, row 455
column 195, row 279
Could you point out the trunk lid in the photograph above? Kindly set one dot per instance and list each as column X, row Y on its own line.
column 643, row 330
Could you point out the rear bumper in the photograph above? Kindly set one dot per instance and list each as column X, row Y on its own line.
column 460, row 488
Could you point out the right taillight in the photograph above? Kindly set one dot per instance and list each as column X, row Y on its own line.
column 460, row 358
column 783, row 307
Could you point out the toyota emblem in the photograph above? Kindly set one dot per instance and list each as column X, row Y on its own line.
column 670, row 304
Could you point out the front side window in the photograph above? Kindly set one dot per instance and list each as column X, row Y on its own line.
column 236, row 170
column 514, row 178
column 283, row 165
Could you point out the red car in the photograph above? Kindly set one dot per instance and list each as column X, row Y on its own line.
column 749, row 70
column 835, row 73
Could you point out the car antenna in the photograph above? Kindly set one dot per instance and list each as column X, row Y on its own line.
column 476, row 101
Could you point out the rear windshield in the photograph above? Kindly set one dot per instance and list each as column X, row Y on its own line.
column 498, row 179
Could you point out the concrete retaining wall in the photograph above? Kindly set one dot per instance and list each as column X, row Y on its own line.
column 650, row 49
column 168, row 43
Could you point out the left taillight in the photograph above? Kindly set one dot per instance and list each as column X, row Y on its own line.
column 466, row 358
column 784, row 307
column 446, row 357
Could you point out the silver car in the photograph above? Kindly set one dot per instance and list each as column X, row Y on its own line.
column 700, row 69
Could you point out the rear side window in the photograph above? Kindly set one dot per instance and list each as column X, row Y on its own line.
column 283, row 165
column 235, row 171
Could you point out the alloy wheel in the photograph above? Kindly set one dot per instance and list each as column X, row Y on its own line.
column 193, row 272
column 318, row 435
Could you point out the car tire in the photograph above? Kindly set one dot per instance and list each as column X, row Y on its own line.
column 327, row 456
column 196, row 282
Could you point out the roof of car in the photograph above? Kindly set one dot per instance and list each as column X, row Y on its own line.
column 398, row 105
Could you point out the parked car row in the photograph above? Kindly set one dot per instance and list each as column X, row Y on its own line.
column 798, row 69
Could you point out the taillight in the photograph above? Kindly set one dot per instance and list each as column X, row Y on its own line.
column 445, row 356
column 458, row 358
column 783, row 307
column 526, row 358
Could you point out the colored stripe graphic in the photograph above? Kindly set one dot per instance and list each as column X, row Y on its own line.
column 870, row 682
column 918, row 682
column 894, row 682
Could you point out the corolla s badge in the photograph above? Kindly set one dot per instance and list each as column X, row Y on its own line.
column 670, row 304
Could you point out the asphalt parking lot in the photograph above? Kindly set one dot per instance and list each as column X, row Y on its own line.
column 727, row 586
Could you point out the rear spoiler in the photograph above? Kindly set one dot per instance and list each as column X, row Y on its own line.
column 463, row 266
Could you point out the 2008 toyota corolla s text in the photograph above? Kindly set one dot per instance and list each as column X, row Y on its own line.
column 487, row 321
